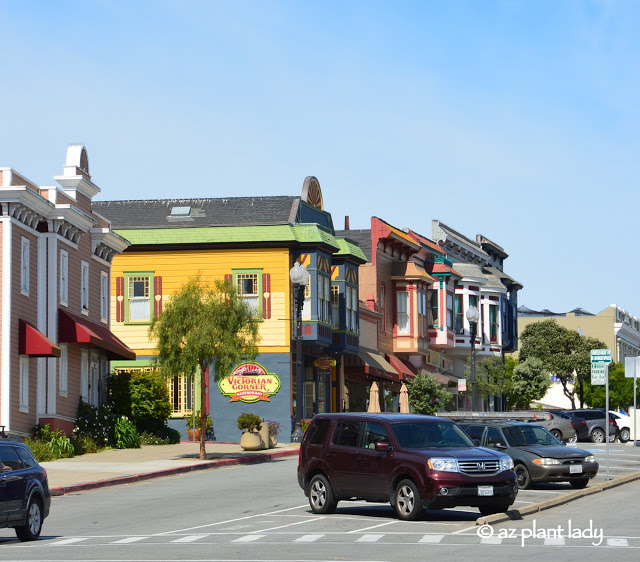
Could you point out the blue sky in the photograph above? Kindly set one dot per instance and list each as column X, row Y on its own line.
column 515, row 119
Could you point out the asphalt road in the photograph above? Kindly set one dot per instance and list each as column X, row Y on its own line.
column 258, row 512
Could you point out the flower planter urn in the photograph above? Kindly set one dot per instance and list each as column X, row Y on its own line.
column 273, row 441
column 264, row 435
column 190, row 434
column 251, row 441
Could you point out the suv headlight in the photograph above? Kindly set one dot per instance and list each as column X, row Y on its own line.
column 506, row 463
column 443, row 464
column 590, row 458
column 546, row 462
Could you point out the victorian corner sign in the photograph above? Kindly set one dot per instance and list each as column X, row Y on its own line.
column 249, row 382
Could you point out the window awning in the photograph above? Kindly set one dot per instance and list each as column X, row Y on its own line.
column 378, row 366
column 404, row 368
column 75, row 329
column 34, row 343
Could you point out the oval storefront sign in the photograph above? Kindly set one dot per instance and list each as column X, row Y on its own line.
column 249, row 382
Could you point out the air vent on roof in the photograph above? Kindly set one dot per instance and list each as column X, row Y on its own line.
column 180, row 211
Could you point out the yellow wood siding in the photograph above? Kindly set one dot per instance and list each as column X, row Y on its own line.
column 177, row 267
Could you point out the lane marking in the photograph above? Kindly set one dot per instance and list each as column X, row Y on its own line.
column 431, row 539
column 129, row 540
column 372, row 527
column 70, row 541
column 490, row 540
column 289, row 525
column 249, row 538
column 227, row 521
column 554, row 541
column 190, row 538
column 369, row 538
column 617, row 542
column 308, row 538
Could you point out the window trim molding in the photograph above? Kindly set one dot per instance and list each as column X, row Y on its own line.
column 24, row 384
column 63, row 278
column 127, row 275
column 84, row 287
column 25, row 265
column 105, row 296
column 259, row 290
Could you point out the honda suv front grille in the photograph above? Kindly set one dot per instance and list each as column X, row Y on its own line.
column 489, row 466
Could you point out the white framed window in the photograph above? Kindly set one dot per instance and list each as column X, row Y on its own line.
column 84, row 375
column 335, row 306
column 402, row 300
column 25, row 254
column 24, row 383
column 139, row 297
column 64, row 277
column 104, row 296
column 324, row 299
column 351, row 305
column 64, row 369
column 306, row 307
column 247, row 285
column 84, row 286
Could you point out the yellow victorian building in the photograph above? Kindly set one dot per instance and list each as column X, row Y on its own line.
column 254, row 242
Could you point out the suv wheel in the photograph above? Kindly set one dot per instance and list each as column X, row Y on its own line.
column 321, row 497
column 31, row 531
column 624, row 435
column 523, row 478
column 407, row 501
column 598, row 436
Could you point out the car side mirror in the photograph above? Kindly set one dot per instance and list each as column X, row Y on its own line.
column 382, row 447
column 500, row 445
column 476, row 442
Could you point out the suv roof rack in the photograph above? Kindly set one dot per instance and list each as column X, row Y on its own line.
column 491, row 416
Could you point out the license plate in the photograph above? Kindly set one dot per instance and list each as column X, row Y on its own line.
column 575, row 469
column 485, row 490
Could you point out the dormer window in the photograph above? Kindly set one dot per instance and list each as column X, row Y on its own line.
column 180, row 211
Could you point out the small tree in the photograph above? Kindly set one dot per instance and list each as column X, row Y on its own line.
column 426, row 394
column 620, row 390
column 492, row 377
column 530, row 382
column 202, row 327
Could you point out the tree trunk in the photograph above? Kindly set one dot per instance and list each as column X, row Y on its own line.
column 204, row 375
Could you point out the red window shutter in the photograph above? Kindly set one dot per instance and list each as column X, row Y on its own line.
column 266, row 296
column 119, row 299
column 157, row 296
column 229, row 277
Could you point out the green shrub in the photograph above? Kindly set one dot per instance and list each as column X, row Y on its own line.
column 95, row 422
column 143, row 397
column 125, row 434
column 84, row 444
column 249, row 422
column 40, row 449
column 57, row 441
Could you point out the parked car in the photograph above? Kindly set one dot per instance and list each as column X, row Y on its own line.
column 414, row 462
column 557, row 424
column 596, row 422
column 24, row 491
column 623, row 421
column 578, row 423
column 537, row 454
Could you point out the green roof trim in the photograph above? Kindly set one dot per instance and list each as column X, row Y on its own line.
column 299, row 233
column 349, row 248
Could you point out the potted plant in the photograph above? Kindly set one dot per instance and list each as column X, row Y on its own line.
column 250, row 424
column 274, row 429
column 189, row 420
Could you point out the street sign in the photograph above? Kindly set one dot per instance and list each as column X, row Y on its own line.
column 631, row 367
column 600, row 359
column 462, row 385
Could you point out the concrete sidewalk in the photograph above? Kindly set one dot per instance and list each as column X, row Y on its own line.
column 122, row 466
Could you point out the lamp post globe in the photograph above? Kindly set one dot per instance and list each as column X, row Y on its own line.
column 473, row 316
column 299, row 279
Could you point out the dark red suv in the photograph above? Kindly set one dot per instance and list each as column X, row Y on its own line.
column 413, row 462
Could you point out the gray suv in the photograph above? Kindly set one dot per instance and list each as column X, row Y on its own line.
column 597, row 423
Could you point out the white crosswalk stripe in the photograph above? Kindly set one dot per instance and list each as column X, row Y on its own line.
column 431, row 538
column 190, row 538
column 129, row 540
column 370, row 538
column 249, row 538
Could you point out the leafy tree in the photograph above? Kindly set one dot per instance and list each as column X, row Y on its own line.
column 143, row 397
column 202, row 327
column 530, row 382
column 426, row 394
column 620, row 390
column 492, row 377
column 563, row 352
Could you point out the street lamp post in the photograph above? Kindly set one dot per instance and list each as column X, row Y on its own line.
column 473, row 316
column 300, row 279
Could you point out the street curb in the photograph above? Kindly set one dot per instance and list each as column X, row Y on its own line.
column 516, row 514
column 204, row 465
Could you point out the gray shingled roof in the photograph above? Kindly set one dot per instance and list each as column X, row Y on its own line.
column 360, row 237
column 224, row 211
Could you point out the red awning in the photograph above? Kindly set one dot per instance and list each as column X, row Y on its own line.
column 374, row 365
column 75, row 329
column 33, row 342
column 405, row 369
